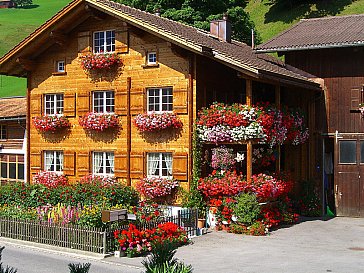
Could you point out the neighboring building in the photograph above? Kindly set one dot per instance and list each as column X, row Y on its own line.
column 12, row 139
column 332, row 48
column 166, row 66
column 4, row 4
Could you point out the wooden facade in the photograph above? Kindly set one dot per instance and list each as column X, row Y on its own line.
column 196, row 75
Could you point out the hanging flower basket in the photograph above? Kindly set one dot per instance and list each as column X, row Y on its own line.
column 99, row 121
column 153, row 187
column 100, row 61
column 51, row 123
column 361, row 109
column 151, row 122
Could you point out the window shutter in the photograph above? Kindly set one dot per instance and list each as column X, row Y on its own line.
column 69, row 105
column 83, row 103
column 180, row 166
column 137, row 101
column 84, row 42
column 355, row 97
column 69, row 163
column 121, row 102
column 137, row 163
column 120, row 165
column 36, row 161
column 83, row 164
column 121, row 41
column 36, row 103
column 180, row 98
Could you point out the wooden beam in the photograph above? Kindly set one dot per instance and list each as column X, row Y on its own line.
column 58, row 37
column 249, row 145
column 26, row 64
column 278, row 104
column 96, row 14
column 191, row 76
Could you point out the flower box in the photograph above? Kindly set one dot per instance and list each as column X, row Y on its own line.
column 151, row 122
column 99, row 121
column 100, row 61
column 51, row 123
column 50, row 179
column 155, row 187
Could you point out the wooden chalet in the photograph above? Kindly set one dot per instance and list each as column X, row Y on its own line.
column 332, row 48
column 163, row 61
column 12, row 139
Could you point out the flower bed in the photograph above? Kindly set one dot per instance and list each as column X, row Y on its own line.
column 99, row 121
column 51, row 123
column 99, row 61
column 50, row 179
column 151, row 122
column 136, row 242
column 236, row 123
column 153, row 187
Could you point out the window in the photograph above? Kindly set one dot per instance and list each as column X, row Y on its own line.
column 160, row 99
column 104, row 41
column 60, row 66
column 103, row 102
column 53, row 104
column 347, row 151
column 53, row 161
column 11, row 167
column 159, row 164
column 151, row 58
column 103, row 163
column 3, row 132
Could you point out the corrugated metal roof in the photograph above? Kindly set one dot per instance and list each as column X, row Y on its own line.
column 326, row 32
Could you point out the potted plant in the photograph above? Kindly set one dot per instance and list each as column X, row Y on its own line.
column 361, row 109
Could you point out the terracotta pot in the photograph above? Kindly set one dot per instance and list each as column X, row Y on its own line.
column 201, row 223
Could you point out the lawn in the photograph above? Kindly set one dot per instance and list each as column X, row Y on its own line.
column 272, row 17
column 15, row 25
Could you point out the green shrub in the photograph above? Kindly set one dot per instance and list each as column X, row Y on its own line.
column 247, row 209
column 79, row 268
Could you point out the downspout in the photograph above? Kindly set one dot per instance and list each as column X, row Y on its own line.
column 128, row 137
column 191, row 76
column 27, row 153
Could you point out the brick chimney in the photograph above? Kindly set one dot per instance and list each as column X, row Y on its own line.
column 221, row 29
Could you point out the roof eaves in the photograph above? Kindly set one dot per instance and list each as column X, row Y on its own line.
column 308, row 47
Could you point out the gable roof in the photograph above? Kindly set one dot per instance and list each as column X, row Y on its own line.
column 235, row 54
column 13, row 107
column 326, row 32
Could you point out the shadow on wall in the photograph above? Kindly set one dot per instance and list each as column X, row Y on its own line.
column 290, row 10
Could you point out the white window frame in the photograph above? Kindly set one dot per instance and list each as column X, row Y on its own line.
column 3, row 132
column 54, row 109
column 103, row 101
column 152, row 58
column 60, row 66
column 160, row 98
column 55, row 156
column 104, row 159
column 102, row 48
column 161, row 158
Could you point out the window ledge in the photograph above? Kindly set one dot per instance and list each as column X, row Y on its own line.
column 150, row 65
column 59, row 73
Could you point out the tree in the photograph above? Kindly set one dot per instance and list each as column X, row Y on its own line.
column 22, row 3
column 199, row 13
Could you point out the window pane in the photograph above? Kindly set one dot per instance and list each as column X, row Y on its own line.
column 361, row 151
column 4, row 170
column 21, row 171
column 12, row 170
column 347, row 151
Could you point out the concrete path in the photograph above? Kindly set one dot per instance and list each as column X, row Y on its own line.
column 312, row 246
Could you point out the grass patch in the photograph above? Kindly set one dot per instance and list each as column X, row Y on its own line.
column 15, row 25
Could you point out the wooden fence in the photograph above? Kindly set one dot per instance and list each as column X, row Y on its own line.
column 97, row 240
